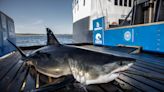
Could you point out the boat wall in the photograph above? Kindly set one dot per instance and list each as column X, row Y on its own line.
column 7, row 31
column 111, row 12
column 81, row 33
column 81, row 9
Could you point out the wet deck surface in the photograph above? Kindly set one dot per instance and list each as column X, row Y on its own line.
column 142, row 76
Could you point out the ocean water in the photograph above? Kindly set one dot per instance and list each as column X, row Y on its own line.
column 34, row 40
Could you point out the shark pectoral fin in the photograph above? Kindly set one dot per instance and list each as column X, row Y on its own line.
column 123, row 68
column 51, row 39
column 20, row 51
column 109, row 77
column 103, row 79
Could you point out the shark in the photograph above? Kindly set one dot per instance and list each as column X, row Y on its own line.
column 87, row 67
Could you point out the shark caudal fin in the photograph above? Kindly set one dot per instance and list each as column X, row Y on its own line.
column 20, row 51
column 51, row 39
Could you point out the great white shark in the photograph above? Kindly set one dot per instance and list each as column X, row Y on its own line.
column 87, row 67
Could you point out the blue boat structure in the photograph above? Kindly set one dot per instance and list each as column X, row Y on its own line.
column 149, row 37
column 7, row 31
column 140, row 36
column 146, row 31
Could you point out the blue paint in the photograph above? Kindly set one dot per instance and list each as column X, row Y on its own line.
column 98, row 24
column 149, row 36
column 98, row 28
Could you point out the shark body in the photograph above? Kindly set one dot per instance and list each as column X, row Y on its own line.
column 87, row 67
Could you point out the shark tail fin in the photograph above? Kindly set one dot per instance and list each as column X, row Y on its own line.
column 51, row 39
column 20, row 51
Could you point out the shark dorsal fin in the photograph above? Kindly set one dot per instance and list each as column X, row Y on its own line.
column 51, row 39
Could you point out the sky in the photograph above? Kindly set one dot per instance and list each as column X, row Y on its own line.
column 33, row 16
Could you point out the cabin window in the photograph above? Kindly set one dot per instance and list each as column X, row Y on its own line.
column 77, row 1
column 120, row 3
column 130, row 3
column 3, row 20
column 11, row 28
column 77, row 7
column 125, row 2
column 73, row 4
column 84, row 3
column 0, row 23
column 5, row 35
column 115, row 2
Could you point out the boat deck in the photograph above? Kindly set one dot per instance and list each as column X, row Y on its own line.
column 142, row 76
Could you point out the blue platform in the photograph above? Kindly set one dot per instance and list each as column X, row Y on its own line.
column 148, row 36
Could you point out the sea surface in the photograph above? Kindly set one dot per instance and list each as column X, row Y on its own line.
column 34, row 40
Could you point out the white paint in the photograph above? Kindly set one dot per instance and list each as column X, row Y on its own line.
column 98, row 38
column 80, row 11
column 127, row 36
column 98, row 8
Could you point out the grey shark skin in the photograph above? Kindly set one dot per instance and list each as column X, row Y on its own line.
column 87, row 67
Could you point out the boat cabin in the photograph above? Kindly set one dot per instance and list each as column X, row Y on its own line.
column 7, row 31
